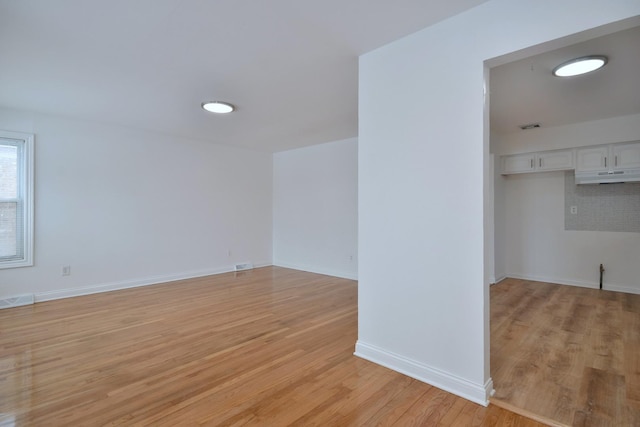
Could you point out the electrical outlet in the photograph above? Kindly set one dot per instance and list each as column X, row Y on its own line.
column 574, row 210
column 66, row 270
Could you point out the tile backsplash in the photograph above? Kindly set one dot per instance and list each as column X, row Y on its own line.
column 601, row 207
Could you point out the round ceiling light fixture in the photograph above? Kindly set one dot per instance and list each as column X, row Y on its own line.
column 583, row 65
column 218, row 107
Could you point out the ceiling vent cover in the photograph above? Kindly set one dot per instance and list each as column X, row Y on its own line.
column 529, row 126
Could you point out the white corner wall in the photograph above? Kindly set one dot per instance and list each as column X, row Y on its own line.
column 531, row 242
column 126, row 208
column 315, row 208
column 423, row 285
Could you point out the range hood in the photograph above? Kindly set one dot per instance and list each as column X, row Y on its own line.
column 608, row 177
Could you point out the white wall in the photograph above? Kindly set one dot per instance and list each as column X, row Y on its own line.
column 125, row 207
column 595, row 132
column 533, row 243
column 315, row 208
column 423, row 291
column 500, row 267
column 537, row 247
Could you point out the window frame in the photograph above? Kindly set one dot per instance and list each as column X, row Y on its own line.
column 25, row 198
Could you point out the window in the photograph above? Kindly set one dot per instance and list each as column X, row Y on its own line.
column 16, row 199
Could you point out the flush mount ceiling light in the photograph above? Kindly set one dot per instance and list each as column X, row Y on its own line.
column 218, row 107
column 575, row 67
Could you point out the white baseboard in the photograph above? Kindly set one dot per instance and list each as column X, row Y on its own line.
column 477, row 393
column 317, row 270
column 559, row 281
column 153, row 280
column 621, row 288
column 592, row 285
column 498, row 280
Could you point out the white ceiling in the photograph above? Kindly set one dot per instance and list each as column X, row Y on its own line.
column 290, row 66
column 525, row 91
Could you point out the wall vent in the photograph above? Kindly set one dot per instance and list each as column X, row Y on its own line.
column 529, row 126
column 17, row 301
column 244, row 266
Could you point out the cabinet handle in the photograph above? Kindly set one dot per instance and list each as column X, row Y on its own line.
column 605, row 162
column 531, row 163
column 540, row 162
column 615, row 161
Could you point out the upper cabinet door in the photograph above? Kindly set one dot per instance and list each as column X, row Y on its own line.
column 555, row 160
column 592, row 159
column 520, row 163
column 599, row 158
column 626, row 156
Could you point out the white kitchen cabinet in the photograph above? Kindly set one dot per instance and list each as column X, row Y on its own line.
column 626, row 156
column 538, row 162
column 518, row 163
column 608, row 157
column 592, row 159
column 555, row 160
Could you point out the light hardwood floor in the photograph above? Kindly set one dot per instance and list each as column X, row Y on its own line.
column 269, row 347
column 566, row 354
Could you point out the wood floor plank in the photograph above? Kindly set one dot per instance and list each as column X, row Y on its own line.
column 579, row 319
column 449, row 419
column 267, row 347
column 430, row 409
column 577, row 359
column 598, row 405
